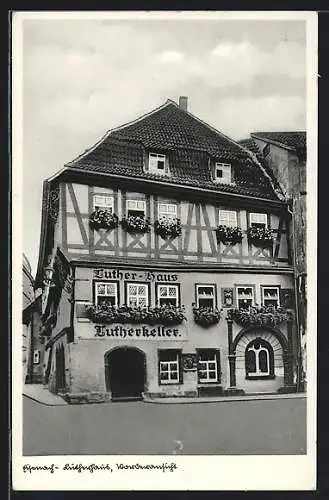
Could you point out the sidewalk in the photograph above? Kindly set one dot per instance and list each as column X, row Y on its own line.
column 222, row 399
column 41, row 394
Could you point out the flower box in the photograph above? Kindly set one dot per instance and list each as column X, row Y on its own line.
column 260, row 316
column 103, row 219
column 228, row 235
column 135, row 224
column 164, row 315
column 261, row 237
column 206, row 316
column 168, row 228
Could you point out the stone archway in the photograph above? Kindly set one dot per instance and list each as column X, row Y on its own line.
column 125, row 372
column 278, row 372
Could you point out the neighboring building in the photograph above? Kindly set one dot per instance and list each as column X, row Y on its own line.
column 156, row 250
column 31, row 356
column 284, row 156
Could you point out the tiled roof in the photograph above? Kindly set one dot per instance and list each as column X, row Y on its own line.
column 294, row 140
column 189, row 145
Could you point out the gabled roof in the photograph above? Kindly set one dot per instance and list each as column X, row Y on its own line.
column 295, row 141
column 189, row 143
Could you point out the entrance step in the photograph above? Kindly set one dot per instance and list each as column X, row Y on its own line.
column 121, row 399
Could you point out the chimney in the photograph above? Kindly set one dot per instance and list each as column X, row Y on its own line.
column 183, row 103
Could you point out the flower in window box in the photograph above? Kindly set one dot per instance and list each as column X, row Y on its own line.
column 228, row 235
column 103, row 219
column 206, row 316
column 168, row 315
column 135, row 224
column 260, row 316
column 168, row 228
column 260, row 236
column 107, row 314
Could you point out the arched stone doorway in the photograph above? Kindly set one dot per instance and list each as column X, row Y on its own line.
column 125, row 373
column 260, row 360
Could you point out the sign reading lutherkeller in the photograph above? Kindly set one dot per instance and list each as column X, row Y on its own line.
column 133, row 332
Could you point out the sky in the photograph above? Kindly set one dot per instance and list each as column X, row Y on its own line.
column 84, row 77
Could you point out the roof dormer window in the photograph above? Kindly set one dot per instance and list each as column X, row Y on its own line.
column 223, row 173
column 157, row 163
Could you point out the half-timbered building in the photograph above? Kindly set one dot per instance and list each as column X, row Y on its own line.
column 166, row 266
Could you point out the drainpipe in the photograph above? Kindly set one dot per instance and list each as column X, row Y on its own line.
column 299, row 356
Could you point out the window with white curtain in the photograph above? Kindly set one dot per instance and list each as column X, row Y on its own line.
column 258, row 220
column 228, row 218
column 103, row 202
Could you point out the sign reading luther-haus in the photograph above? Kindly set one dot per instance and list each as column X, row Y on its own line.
column 117, row 274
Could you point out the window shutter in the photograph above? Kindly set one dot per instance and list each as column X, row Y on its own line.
column 287, row 298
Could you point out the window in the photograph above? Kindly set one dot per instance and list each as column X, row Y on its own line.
column 103, row 202
column 223, row 173
column 169, row 367
column 259, row 359
column 270, row 296
column 167, row 295
column 137, row 294
column 227, row 218
column 106, row 294
column 136, row 208
column 258, row 220
column 205, row 296
column 157, row 163
column 208, row 366
column 245, row 297
column 167, row 210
